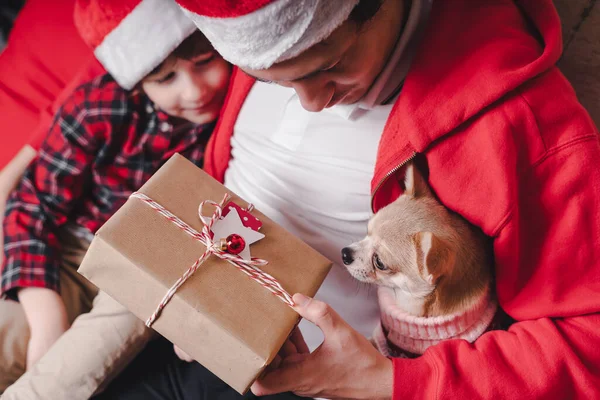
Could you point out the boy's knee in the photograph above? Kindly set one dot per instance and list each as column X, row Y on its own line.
column 14, row 337
column 107, row 313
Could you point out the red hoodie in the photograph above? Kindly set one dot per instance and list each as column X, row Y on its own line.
column 509, row 147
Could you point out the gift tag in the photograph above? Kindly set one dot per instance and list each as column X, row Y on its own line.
column 248, row 220
column 232, row 224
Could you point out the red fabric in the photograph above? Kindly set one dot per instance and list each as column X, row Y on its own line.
column 44, row 52
column 223, row 8
column 96, row 19
column 91, row 69
column 509, row 147
column 218, row 148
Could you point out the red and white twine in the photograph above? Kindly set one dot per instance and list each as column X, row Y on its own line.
column 249, row 267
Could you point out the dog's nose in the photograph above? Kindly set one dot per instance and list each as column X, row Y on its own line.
column 347, row 255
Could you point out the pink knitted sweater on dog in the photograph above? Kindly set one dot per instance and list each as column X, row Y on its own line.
column 402, row 334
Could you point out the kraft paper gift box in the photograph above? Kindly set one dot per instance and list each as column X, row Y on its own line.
column 221, row 317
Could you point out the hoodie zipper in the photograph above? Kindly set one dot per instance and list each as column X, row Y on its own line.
column 392, row 171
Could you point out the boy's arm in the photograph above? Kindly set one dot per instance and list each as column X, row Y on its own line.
column 9, row 177
column 42, row 202
column 13, row 171
column 47, row 318
column 548, row 278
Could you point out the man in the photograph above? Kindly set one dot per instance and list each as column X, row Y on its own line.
column 472, row 93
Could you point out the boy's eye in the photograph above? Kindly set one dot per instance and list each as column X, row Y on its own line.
column 204, row 60
column 166, row 78
column 378, row 264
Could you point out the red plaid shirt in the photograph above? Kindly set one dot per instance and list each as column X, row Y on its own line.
column 103, row 145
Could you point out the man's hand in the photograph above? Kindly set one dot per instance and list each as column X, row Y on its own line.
column 345, row 366
column 47, row 318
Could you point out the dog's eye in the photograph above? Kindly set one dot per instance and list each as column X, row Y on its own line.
column 378, row 264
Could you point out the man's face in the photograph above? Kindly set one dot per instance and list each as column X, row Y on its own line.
column 342, row 68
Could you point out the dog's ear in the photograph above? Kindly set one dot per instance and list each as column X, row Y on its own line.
column 414, row 183
column 435, row 256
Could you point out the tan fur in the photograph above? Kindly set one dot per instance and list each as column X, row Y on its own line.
column 437, row 262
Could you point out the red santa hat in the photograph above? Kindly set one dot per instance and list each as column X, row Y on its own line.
column 131, row 37
column 256, row 34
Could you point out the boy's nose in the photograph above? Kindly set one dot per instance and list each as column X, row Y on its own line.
column 192, row 92
column 347, row 255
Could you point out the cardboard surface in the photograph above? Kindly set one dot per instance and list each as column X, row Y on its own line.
column 222, row 318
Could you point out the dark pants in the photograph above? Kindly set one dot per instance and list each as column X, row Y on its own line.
column 157, row 374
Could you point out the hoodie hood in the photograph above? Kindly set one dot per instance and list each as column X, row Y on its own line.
column 471, row 55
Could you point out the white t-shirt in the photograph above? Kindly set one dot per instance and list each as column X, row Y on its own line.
column 311, row 173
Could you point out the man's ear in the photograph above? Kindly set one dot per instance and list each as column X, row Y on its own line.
column 435, row 256
column 414, row 183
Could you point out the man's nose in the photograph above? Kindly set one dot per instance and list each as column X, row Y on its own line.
column 314, row 95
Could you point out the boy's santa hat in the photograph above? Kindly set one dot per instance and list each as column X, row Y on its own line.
column 256, row 34
column 131, row 37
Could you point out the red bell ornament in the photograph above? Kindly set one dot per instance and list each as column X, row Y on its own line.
column 235, row 244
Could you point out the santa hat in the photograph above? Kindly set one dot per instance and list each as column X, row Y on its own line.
column 131, row 37
column 256, row 34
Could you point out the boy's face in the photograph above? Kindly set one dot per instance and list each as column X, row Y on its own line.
column 190, row 89
column 342, row 68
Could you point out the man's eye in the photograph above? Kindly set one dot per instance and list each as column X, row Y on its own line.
column 331, row 67
column 166, row 78
column 378, row 264
column 265, row 81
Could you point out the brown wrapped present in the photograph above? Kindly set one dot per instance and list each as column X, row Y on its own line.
column 230, row 323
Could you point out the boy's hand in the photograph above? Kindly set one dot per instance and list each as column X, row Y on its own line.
column 2, row 209
column 182, row 354
column 9, row 177
column 47, row 318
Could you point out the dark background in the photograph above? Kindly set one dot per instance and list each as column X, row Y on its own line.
column 8, row 12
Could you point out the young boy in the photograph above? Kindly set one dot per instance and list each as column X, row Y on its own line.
column 162, row 96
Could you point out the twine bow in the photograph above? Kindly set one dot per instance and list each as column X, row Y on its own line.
column 249, row 267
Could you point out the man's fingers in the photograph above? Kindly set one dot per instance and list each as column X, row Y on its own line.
column 298, row 340
column 275, row 363
column 317, row 312
column 288, row 348
column 286, row 378
column 294, row 358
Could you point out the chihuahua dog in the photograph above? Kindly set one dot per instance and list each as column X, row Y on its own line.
column 433, row 269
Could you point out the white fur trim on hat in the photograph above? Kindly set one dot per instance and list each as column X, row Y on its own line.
column 276, row 32
column 143, row 40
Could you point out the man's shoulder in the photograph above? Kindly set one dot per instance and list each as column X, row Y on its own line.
column 535, row 120
column 559, row 116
